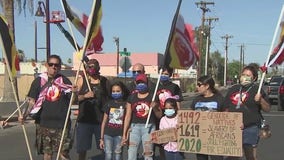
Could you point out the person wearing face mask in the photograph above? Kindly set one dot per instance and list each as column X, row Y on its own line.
column 170, row 120
column 137, row 69
column 137, row 110
column 208, row 100
column 167, row 89
column 244, row 98
column 91, row 102
column 112, row 125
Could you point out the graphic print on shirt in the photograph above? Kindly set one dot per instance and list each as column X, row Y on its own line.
column 116, row 117
column 163, row 95
column 53, row 93
column 206, row 106
column 238, row 97
column 141, row 109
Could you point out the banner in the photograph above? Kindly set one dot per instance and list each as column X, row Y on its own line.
column 9, row 47
column 212, row 133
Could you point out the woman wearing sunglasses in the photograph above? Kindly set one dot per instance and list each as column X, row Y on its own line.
column 208, row 100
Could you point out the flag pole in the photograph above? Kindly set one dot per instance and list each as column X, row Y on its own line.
column 166, row 52
column 77, row 74
column 271, row 48
column 12, row 114
column 76, row 46
column 16, row 97
column 172, row 30
column 153, row 98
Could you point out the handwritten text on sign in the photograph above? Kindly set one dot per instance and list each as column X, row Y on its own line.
column 164, row 136
column 213, row 133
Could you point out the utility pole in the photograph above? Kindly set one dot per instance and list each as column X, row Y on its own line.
column 241, row 57
column 203, row 7
column 208, row 40
column 226, row 57
column 116, row 41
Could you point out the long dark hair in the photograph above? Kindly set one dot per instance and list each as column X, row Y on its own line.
column 124, row 89
column 210, row 81
column 253, row 68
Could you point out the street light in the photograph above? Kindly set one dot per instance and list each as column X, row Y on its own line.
column 40, row 13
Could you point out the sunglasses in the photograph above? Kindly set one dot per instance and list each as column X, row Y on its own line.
column 199, row 84
column 139, row 71
column 54, row 64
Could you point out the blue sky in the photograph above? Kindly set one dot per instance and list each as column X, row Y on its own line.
column 143, row 26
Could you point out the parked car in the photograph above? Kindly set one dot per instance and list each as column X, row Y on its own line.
column 275, row 91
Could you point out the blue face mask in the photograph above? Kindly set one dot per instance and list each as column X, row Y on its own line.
column 142, row 87
column 116, row 95
column 164, row 78
column 169, row 112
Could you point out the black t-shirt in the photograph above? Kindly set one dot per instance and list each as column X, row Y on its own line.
column 115, row 109
column 90, row 110
column 246, row 105
column 213, row 103
column 140, row 108
column 168, row 90
column 55, row 106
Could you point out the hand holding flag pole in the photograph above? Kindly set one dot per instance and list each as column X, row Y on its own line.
column 271, row 48
column 92, row 29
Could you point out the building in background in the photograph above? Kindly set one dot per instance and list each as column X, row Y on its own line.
column 151, row 61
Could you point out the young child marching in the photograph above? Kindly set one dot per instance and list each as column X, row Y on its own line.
column 170, row 120
column 112, row 125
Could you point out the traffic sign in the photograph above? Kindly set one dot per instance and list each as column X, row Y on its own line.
column 124, row 53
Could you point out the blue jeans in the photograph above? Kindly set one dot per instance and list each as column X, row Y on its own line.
column 112, row 146
column 173, row 155
column 85, row 134
column 139, row 134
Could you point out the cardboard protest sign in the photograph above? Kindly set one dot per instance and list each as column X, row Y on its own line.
column 164, row 136
column 212, row 133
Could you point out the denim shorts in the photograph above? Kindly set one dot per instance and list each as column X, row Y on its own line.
column 84, row 136
column 251, row 136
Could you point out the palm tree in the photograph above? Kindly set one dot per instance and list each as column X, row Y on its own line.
column 8, row 10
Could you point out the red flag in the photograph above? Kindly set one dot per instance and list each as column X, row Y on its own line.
column 190, row 33
column 277, row 56
column 182, row 52
column 9, row 48
column 80, row 21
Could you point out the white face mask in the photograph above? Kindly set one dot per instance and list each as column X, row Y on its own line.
column 244, row 80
